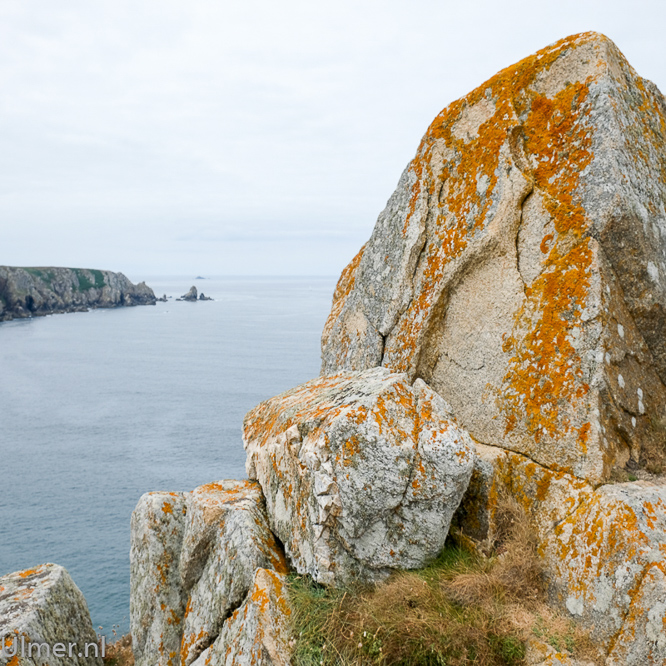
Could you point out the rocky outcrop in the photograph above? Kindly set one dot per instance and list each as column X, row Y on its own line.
column 361, row 473
column 44, row 619
column 519, row 266
column 29, row 292
column 516, row 280
column 191, row 295
column 259, row 632
column 192, row 563
column 603, row 549
column 519, row 269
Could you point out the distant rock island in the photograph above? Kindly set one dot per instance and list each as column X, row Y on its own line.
column 30, row 292
column 191, row 295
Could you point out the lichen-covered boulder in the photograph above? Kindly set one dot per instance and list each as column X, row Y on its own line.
column 259, row 632
column 519, row 266
column 157, row 600
column 44, row 619
column 642, row 639
column 606, row 562
column 239, row 542
column 193, row 559
column 603, row 549
column 361, row 473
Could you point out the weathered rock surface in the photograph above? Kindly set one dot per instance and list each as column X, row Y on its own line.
column 193, row 559
column 604, row 549
column 42, row 609
column 226, row 539
column 258, row 633
column 28, row 292
column 157, row 599
column 519, row 267
column 361, row 473
column 607, row 561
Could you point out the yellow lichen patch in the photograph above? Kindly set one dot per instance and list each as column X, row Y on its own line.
column 351, row 448
column 602, row 535
column 188, row 641
column 544, row 371
column 167, row 508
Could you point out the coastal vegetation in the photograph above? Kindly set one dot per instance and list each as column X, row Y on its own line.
column 463, row 608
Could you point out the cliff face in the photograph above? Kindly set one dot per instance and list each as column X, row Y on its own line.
column 28, row 292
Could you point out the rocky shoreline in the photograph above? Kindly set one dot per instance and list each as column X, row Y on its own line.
column 34, row 292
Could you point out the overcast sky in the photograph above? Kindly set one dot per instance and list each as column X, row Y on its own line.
column 256, row 137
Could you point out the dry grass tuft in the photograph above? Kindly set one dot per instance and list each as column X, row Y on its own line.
column 120, row 652
column 461, row 609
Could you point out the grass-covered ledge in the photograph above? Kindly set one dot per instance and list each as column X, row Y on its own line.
column 461, row 609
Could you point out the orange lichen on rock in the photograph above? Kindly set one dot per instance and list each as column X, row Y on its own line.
column 465, row 184
column 353, row 453
column 545, row 369
column 30, row 572
column 343, row 288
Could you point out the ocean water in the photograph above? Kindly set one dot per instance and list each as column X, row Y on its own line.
column 98, row 408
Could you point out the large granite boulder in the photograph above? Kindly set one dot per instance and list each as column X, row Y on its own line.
column 361, row 473
column 607, row 561
column 44, row 619
column 519, row 267
column 259, row 632
column 193, row 560
column 604, row 549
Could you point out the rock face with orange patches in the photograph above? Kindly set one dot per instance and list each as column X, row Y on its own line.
column 604, row 549
column 520, row 266
column 643, row 639
column 157, row 601
column 361, row 473
column 193, row 560
column 42, row 607
column 606, row 563
column 258, row 633
column 239, row 542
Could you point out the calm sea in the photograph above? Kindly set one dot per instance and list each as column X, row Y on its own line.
column 98, row 408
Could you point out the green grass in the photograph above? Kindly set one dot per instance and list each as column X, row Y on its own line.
column 43, row 275
column 461, row 609
column 84, row 280
column 414, row 619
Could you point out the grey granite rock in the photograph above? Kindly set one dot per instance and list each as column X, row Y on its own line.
column 191, row 295
column 361, row 473
column 44, row 619
column 520, row 266
column 193, row 559
column 259, row 632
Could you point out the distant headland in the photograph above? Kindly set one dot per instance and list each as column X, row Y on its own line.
column 30, row 292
